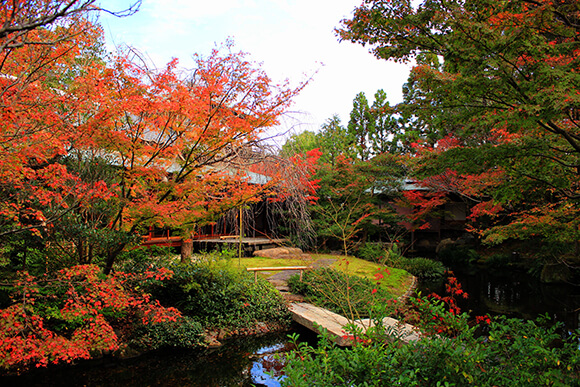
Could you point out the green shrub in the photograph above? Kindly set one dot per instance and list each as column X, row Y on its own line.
column 216, row 293
column 224, row 253
column 144, row 257
column 423, row 268
column 499, row 260
column 183, row 333
column 512, row 353
column 372, row 252
column 394, row 256
column 300, row 286
column 351, row 296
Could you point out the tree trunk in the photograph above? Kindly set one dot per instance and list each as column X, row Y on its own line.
column 90, row 254
column 80, row 251
column 186, row 250
column 111, row 257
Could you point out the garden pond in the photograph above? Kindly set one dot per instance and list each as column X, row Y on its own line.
column 251, row 361
column 248, row 361
column 514, row 294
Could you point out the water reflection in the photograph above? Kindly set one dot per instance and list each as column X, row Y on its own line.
column 240, row 362
column 515, row 294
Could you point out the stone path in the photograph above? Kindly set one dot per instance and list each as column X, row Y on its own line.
column 314, row 318
column 286, row 274
column 280, row 279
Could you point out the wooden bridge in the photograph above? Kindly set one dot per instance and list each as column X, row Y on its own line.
column 232, row 241
column 210, row 242
column 314, row 318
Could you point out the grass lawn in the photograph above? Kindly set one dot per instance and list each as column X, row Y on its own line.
column 272, row 262
column 397, row 281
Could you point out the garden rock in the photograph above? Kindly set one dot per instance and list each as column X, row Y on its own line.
column 280, row 253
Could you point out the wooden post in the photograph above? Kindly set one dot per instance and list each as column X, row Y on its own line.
column 241, row 237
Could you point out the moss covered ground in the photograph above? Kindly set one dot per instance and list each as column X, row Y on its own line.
column 397, row 281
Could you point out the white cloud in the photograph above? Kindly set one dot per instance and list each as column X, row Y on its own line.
column 291, row 37
column 191, row 10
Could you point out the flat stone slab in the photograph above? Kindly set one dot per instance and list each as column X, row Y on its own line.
column 283, row 276
column 309, row 315
column 312, row 317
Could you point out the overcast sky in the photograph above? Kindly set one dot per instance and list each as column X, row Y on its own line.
column 293, row 39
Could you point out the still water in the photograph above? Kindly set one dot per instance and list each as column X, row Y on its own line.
column 514, row 294
column 252, row 361
column 241, row 362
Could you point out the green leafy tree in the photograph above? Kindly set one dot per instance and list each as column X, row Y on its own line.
column 335, row 140
column 300, row 143
column 388, row 132
column 378, row 128
column 495, row 98
column 361, row 125
column 349, row 209
column 343, row 206
column 420, row 123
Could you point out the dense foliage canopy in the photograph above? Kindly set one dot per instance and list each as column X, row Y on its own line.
column 98, row 146
column 493, row 105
